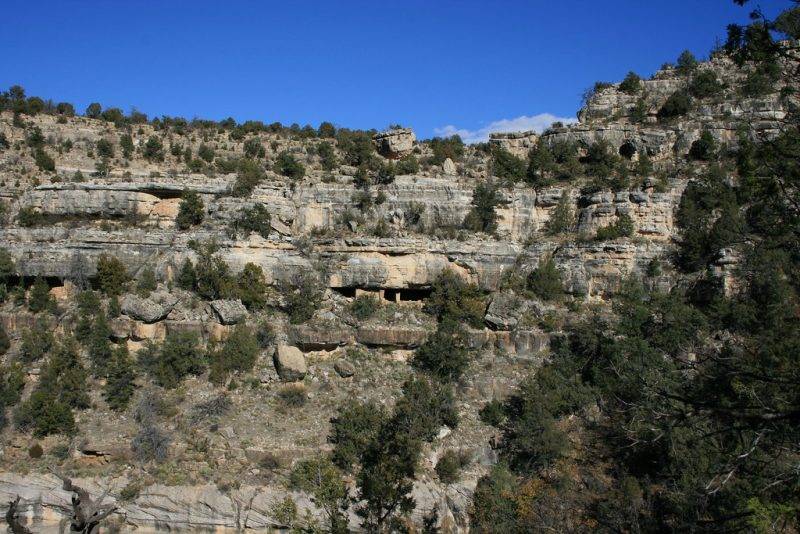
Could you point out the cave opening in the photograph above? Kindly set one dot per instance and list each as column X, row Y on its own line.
column 627, row 150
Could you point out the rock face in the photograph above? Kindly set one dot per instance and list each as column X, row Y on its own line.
column 152, row 309
column 229, row 311
column 344, row 368
column 448, row 167
column 518, row 143
column 290, row 363
column 395, row 143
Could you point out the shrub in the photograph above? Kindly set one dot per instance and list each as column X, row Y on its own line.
column 449, row 464
column 179, row 356
column 147, row 282
column 788, row 22
column 44, row 161
column 205, row 153
column 28, row 217
column 704, row 148
column 126, row 144
column 353, row 429
column 705, row 84
column 326, row 129
column 64, row 376
column 253, row 149
column 213, row 278
column 541, row 166
column 12, row 382
column 492, row 413
column 7, row 267
column 678, row 104
column 327, row 156
column 255, row 219
column 292, row 396
column 238, row 353
column 686, row 63
column 407, row 165
column 482, row 217
column 112, row 275
column 356, row 146
column 321, row 479
column 562, row 219
column 153, row 149
column 39, row 299
column 104, row 148
column 252, row 287
column 545, row 280
column 151, row 444
column 639, row 111
column 44, row 414
column 601, row 161
column 446, row 147
column 623, row 227
column 5, row 342
column 631, row 84
column 191, row 211
column 364, row 306
column 444, row 354
column 36, row 342
column 507, row 166
column 187, row 277
column 302, row 296
column 287, row 165
column 452, row 298
column 249, row 175
column 761, row 80
column 120, row 376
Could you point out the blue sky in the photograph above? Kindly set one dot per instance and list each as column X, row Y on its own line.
column 434, row 65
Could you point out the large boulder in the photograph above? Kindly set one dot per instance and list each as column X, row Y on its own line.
column 395, row 143
column 150, row 309
column 505, row 310
column 290, row 363
column 229, row 311
column 448, row 167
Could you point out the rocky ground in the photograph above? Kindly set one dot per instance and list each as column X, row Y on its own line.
column 229, row 469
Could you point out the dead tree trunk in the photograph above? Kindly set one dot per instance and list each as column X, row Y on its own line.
column 13, row 520
column 87, row 514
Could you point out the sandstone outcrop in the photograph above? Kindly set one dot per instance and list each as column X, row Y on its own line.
column 395, row 143
column 290, row 363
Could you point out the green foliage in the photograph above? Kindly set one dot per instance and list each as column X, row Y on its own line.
column 705, row 84
column 253, row 149
column 327, row 156
column 622, row 227
column 39, row 299
column 44, row 161
column 407, row 165
column 213, row 279
column 356, row 146
column 507, row 166
column 205, row 153
column 326, row 129
column 104, row 148
column 112, row 276
column 126, row 144
column 147, row 282
column 761, row 80
column 302, row 296
column 252, row 287
column 445, row 354
column 454, row 299
column 446, row 147
column 486, row 197
column 249, row 175
column 191, row 211
column 494, row 504
column 255, row 219
column 179, row 356
column 153, row 149
column 562, row 219
column 12, row 382
column 678, row 104
column 704, row 148
column 364, row 306
column 120, row 376
column 28, row 217
column 542, row 166
column 36, row 342
column 640, row 111
column 545, row 281
column 238, row 353
column 449, row 465
column 632, row 84
column 98, row 345
column 287, row 165
column 5, row 342
column 7, row 267
column 353, row 429
column 187, row 277
column 686, row 63
column 601, row 161
column 322, row 480
column 788, row 22
column 44, row 414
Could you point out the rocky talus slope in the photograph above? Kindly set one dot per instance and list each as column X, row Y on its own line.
column 229, row 471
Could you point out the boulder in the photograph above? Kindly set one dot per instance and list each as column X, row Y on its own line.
column 505, row 310
column 229, row 311
column 395, row 143
column 289, row 363
column 344, row 368
column 448, row 167
column 151, row 309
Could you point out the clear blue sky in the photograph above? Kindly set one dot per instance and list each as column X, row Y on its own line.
column 361, row 64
